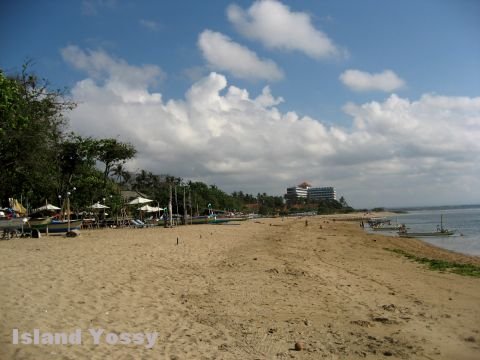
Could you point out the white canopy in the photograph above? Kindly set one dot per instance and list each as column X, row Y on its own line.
column 99, row 206
column 139, row 200
column 47, row 207
column 148, row 208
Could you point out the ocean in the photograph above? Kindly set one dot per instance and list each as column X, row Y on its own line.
column 465, row 222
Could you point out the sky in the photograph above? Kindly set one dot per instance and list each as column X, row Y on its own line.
column 380, row 99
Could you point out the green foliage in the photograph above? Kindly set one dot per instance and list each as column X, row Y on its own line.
column 244, row 198
column 31, row 124
column 76, row 156
column 39, row 161
column 202, row 195
column 269, row 205
column 113, row 152
column 442, row 265
column 331, row 206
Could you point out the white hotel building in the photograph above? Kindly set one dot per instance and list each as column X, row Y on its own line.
column 322, row 193
column 306, row 191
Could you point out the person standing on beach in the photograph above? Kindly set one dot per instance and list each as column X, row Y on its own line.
column 165, row 217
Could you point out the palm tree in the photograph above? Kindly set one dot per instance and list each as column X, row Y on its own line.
column 118, row 171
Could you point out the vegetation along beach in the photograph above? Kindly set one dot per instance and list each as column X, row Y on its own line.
column 239, row 179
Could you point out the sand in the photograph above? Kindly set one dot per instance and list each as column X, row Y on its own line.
column 246, row 291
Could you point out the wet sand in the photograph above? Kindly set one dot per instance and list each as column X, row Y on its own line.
column 246, row 291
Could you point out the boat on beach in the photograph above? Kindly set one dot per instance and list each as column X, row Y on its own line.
column 441, row 231
column 221, row 220
column 383, row 224
column 13, row 223
column 386, row 227
column 39, row 221
column 376, row 221
column 13, row 218
column 57, row 226
column 213, row 219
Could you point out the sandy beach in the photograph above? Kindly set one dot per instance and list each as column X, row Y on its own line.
column 241, row 291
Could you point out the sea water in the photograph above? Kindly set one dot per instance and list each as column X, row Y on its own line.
column 465, row 222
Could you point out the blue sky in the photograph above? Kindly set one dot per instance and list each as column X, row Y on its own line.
column 377, row 98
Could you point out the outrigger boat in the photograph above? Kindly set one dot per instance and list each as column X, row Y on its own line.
column 13, row 219
column 373, row 222
column 32, row 222
column 441, row 231
column 49, row 225
column 213, row 219
column 13, row 223
column 58, row 226
column 12, row 227
column 383, row 224
column 386, row 228
column 221, row 220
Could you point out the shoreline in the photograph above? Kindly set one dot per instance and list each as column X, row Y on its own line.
column 418, row 246
column 435, row 250
column 240, row 292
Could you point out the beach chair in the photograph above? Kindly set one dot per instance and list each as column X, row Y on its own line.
column 136, row 224
column 143, row 224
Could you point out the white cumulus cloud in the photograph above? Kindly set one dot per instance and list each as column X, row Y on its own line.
column 223, row 54
column 277, row 27
column 386, row 81
column 125, row 80
column 396, row 152
column 150, row 24
column 93, row 7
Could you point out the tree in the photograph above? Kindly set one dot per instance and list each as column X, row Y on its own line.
column 343, row 202
column 113, row 152
column 31, row 124
column 75, row 156
column 122, row 176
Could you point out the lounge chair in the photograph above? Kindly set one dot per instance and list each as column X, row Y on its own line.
column 136, row 224
column 143, row 224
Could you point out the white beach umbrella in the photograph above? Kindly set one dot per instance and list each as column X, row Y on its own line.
column 139, row 200
column 99, row 206
column 148, row 208
column 46, row 207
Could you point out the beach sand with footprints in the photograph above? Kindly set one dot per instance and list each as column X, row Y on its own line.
column 246, row 291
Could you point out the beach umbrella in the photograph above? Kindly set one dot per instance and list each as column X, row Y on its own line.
column 99, row 206
column 47, row 207
column 148, row 208
column 139, row 200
